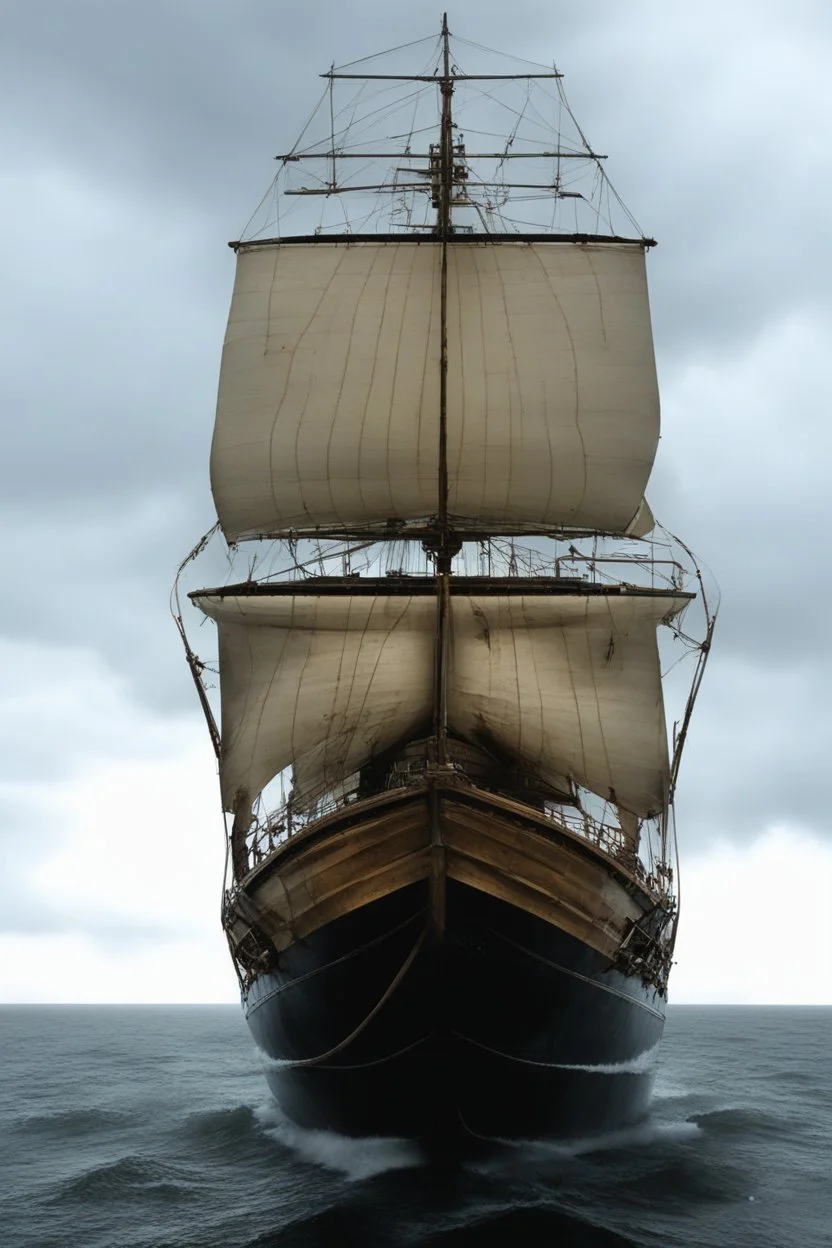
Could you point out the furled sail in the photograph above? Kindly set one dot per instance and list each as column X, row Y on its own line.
column 567, row 683
column 329, row 398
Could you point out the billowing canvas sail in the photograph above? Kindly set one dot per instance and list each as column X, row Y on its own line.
column 323, row 684
column 569, row 684
column 329, row 401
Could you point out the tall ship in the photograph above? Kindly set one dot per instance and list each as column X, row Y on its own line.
column 445, row 763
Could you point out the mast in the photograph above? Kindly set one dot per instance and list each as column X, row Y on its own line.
column 443, row 554
column 446, row 133
column 443, row 225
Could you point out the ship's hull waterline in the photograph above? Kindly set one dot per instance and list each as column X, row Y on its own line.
column 447, row 969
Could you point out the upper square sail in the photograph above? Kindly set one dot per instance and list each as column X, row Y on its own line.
column 328, row 417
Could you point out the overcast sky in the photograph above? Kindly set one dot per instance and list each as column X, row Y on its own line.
column 137, row 139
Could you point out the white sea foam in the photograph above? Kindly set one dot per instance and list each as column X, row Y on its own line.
column 640, row 1065
column 667, row 1090
column 644, row 1135
column 354, row 1158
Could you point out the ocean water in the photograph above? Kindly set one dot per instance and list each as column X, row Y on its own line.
column 151, row 1127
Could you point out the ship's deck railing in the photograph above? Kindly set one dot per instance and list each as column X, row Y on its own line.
column 606, row 836
column 279, row 826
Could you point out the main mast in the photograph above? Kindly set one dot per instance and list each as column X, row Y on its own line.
column 444, row 552
column 443, row 225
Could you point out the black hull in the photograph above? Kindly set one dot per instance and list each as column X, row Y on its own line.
column 507, row 1027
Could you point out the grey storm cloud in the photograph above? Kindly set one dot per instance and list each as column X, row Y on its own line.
column 138, row 139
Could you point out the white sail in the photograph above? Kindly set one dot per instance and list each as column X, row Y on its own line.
column 321, row 683
column 329, row 399
column 569, row 684
column 642, row 523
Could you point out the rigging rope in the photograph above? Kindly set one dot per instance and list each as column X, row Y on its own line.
column 356, row 1032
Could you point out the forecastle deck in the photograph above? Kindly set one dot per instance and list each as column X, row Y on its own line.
column 441, row 830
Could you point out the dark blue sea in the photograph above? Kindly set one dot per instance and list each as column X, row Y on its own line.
column 151, row 1127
